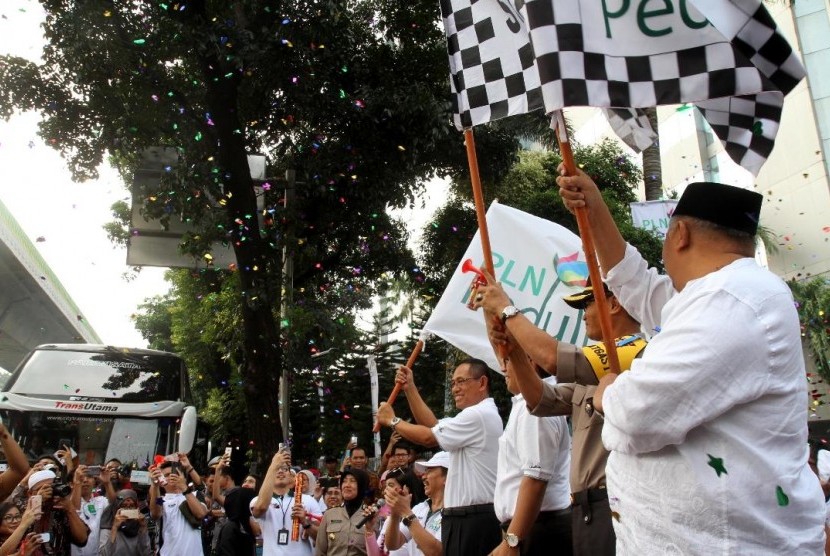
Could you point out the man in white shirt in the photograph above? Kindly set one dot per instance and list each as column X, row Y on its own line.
column 275, row 511
column 420, row 527
column 469, row 524
column 707, row 431
column 179, row 537
column 90, row 508
column 532, row 498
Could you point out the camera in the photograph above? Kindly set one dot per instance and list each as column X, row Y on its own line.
column 61, row 490
column 124, row 471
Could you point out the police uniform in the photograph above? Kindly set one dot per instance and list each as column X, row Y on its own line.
column 578, row 371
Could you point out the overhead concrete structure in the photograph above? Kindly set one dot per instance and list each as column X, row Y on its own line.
column 34, row 307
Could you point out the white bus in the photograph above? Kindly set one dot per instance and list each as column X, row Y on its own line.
column 105, row 403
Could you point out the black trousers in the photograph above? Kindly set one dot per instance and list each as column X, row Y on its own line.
column 593, row 531
column 470, row 530
column 549, row 536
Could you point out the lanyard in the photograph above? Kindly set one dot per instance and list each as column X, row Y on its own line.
column 281, row 501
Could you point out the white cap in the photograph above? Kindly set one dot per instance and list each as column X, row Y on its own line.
column 441, row 459
column 40, row 476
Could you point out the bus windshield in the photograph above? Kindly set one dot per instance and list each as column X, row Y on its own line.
column 103, row 375
column 96, row 438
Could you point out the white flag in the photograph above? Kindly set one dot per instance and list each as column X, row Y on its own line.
column 537, row 261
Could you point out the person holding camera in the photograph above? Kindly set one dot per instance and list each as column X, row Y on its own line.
column 180, row 510
column 124, row 528
column 62, row 525
column 89, row 506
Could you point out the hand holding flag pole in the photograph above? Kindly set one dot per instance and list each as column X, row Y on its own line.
column 416, row 351
column 561, row 132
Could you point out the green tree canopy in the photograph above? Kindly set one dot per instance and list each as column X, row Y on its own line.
column 352, row 96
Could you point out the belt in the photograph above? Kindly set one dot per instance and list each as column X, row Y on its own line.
column 584, row 499
column 469, row 510
column 542, row 516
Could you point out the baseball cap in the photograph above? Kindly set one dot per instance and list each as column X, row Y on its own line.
column 440, row 459
column 582, row 299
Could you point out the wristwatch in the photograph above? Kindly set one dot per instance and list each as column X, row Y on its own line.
column 394, row 422
column 408, row 520
column 507, row 312
column 512, row 539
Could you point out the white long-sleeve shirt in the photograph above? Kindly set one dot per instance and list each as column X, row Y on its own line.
column 708, row 431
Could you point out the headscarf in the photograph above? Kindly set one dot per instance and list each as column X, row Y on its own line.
column 238, row 507
column 108, row 516
column 362, row 479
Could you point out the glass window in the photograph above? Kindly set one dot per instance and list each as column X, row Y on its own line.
column 102, row 376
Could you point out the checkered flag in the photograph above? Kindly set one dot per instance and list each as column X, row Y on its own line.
column 632, row 126
column 492, row 67
column 725, row 56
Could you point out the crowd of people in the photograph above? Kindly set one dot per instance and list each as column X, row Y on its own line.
column 697, row 444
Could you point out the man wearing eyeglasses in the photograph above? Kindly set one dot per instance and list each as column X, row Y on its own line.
column 471, row 438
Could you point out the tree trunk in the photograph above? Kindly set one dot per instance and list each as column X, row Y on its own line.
column 262, row 351
column 652, row 169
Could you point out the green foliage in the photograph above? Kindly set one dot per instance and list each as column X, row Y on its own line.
column 352, row 96
column 813, row 302
column 530, row 186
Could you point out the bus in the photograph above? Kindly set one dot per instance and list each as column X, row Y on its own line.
column 104, row 402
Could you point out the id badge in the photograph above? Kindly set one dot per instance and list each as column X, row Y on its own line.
column 282, row 536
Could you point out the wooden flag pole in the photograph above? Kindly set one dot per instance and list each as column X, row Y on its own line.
column 478, row 197
column 481, row 217
column 416, row 351
column 608, row 339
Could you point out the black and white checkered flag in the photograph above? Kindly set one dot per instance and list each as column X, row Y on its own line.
column 492, row 67
column 725, row 56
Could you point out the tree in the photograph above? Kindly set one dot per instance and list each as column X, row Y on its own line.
column 350, row 95
column 652, row 167
column 529, row 186
column 812, row 299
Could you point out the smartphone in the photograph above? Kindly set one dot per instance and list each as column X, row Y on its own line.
column 93, row 470
column 228, row 451
column 354, row 439
column 60, row 458
column 35, row 502
column 44, row 537
column 171, row 457
column 131, row 513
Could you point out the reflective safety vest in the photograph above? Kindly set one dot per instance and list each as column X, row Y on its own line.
column 628, row 349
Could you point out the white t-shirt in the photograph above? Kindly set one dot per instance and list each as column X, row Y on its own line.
column 429, row 521
column 90, row 513
column 277, row 517
column 472, row 440
column 535, row 447
column 180, row 539
column 707, row 431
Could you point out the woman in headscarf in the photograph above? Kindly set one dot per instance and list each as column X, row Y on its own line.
column 122, row 533
column 338, row 534
column 236, row 537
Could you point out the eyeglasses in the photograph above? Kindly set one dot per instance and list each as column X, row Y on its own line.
column 459, row 381
column 11, row 518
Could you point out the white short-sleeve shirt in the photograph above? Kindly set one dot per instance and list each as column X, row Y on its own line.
column 90, row 513
column 431, row 521
column 277, row 517
column 472, row 440
column 180, row 539
column 535, row 447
